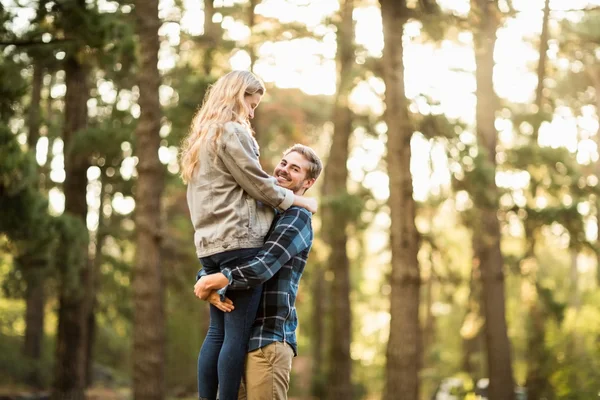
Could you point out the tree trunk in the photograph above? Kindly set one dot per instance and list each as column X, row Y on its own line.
column 34, row 276
column 471, row 335
column 490, row 257
column 256, row 121
column 402, row 373
column 35, row 302
column 595, row 75
column 541, row 68
column 147, row 280
column 96, row 263
column 251, row 23
column 319, row 311
column 33, row 114
column 336, row 218
column 212, row 36
column 538, row 379
column 72, row 326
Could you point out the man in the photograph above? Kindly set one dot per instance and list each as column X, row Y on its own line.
column 279, row 265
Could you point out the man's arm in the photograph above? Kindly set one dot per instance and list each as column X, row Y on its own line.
column 291, row 235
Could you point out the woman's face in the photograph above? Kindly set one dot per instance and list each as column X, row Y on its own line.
column 252, row 101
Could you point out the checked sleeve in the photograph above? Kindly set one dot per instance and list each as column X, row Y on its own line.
column 290, row 236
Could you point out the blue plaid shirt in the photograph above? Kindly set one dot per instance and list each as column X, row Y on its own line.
column 279, row 265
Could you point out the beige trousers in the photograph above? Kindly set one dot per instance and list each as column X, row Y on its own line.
column 267, row 375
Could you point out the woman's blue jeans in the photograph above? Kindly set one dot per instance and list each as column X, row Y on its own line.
column 223, row 353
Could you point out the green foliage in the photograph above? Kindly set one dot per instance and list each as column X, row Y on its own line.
column 190, row 88
column 13, row 85
column 479, row 176
column 14, row 368
column 17, row 168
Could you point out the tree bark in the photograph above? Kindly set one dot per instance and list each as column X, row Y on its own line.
column 96, row 263
column 471, row 341
column 595, row 75
column 34, row 276
column 501, row 386
column 147, row 280
column 256, row 121
column 402, row 372
column 336, row 218
column 541, row 68
column 72, row 326
column 35, row 301
column 33, row 114
column 212, row 36
column 538, row 379
column 251, row 23
column 320, row 299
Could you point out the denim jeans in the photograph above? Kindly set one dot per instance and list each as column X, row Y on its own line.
column 223, row 353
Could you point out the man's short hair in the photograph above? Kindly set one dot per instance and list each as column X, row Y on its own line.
column 316, row 166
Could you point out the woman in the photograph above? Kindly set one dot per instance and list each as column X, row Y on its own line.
column 231, row 201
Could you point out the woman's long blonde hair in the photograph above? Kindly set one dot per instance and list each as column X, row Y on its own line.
column 224, row 102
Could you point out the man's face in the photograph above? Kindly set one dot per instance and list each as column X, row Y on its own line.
column 291, row 173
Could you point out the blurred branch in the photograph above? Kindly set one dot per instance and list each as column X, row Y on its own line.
column 32, row 42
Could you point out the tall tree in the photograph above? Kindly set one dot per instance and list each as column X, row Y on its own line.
column 34, row 294
column 401, row 374
column 335, row 216
column 212, row 36
column 147, row 280
column 485, row 15
column 72, row 315
column 538, row 379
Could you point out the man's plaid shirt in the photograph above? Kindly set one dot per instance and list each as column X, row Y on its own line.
column 279, row 265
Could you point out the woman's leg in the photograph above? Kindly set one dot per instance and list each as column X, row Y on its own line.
column 238, row 324
column 208, row 378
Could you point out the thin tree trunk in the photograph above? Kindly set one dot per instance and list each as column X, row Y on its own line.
column 33, row 114
column 212, row 36
column 595, row 75
column 34, row 295
column 251, row 23
column 336, row 219
column 471, row 341
column 501, row 386
column 541, row 68
column 147, row 281
column 72, row 326
column 256, row 122
column 402, row 372
column 96, row 263
column 537, row 381
column 35, row 302
column 318, row 332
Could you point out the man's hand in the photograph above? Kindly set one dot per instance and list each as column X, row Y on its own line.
column 200, row 289
column 215, row 300
column 203, row 287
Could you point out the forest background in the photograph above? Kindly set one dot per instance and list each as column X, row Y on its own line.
column 457, row 238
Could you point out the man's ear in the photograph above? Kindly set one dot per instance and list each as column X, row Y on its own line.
column 308, row 183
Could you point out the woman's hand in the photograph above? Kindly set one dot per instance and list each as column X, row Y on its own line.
column 215, row 300
column 312, row 205
column 201, row 290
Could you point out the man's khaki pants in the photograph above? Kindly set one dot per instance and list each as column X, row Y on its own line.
column 267, row 375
